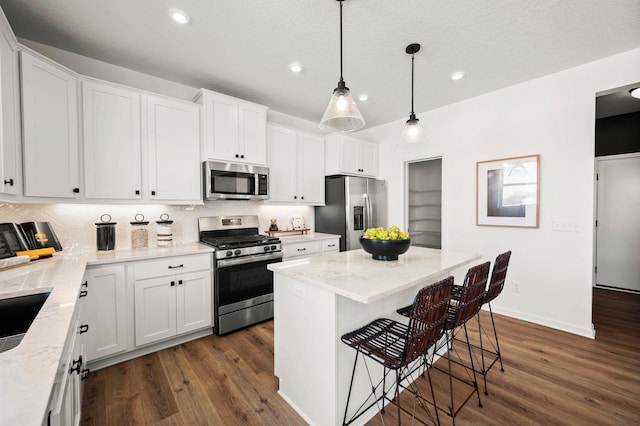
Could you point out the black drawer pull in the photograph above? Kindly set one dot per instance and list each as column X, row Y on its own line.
column 8, row 182
column 302, row 249
column 179, row 282
column 83, row 328
column 85, row 373
column 77, row 366
column 85, row 284
column 176, row 267
column 331, row 245
column 83, row 293
column 173, row 283
column 76, row 190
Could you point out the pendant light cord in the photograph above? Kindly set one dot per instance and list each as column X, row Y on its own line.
column 341, row 79
column 412, row 55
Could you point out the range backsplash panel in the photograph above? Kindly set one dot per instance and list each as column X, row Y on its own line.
column 74, row 224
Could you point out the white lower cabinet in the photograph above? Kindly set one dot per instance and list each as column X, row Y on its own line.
column 105, row 311
column 169, row 304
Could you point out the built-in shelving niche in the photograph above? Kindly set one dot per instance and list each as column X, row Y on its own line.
column 424, row 202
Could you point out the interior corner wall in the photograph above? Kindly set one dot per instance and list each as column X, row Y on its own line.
column 553, row 116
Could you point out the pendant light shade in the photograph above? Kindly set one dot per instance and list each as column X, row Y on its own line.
column 342, row 114
column 413, row 131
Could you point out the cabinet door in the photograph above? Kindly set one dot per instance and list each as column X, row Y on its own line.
column 368, row 158
column 310, row 169
column 112, row 148
column 9, row 141
column 252, row 125
column 173, row 147
column 282, row 144
column 193, row 301
column 155, row 309
column 105, row 311
column 50, row 129
column 349, row 150
column 221, row 127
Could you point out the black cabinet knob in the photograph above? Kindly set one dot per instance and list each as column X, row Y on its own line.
column 76, row 190
column 302, row 198
column 153, row 192
column 173, row 283
column 137, row 192
column 295, row 197
column 237, row 156
column 241, row 155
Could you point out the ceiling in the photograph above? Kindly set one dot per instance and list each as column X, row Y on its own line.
column 243, row 48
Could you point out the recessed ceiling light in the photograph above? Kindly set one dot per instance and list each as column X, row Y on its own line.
column 635, row 92
column 295, row 68
column 364, row 97
column 457, row 75
column 179, row 16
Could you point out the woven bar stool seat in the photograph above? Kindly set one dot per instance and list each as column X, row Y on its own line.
column 395, row 346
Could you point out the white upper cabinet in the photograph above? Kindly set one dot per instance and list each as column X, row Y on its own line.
column 351, row 156
column 296, row 166
column 234, row 130
column 50, row 129
column 112, row 142
column 9, row 104
column 173, row 149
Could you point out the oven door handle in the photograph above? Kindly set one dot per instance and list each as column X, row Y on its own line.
column 223, row 263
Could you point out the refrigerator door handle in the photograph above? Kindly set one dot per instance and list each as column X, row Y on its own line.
column 367, row 214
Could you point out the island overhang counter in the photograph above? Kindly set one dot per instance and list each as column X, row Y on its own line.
column 319, row 299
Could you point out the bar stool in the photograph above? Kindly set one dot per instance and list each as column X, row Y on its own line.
column 466, row 301
column 396, row 346
column 496, row 284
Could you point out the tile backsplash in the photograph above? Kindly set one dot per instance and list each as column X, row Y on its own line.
column 74, row 224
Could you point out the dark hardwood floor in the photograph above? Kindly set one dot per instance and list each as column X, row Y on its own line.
column 550, row 378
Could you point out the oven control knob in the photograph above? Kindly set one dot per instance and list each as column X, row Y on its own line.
column 229, row 253
column 237, row 252
column 266, row 248
column 273, row 247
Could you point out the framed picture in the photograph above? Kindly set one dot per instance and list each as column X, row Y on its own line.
column 508, row 192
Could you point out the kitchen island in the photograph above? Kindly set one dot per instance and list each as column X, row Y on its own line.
column 319, row 299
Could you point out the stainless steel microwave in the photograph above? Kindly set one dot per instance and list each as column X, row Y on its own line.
column 233, row 181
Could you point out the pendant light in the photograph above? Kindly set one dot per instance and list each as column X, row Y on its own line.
column 342, row 114
column 413, row 131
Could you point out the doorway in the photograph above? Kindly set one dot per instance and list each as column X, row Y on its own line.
column 424, row 202
column 617, row 223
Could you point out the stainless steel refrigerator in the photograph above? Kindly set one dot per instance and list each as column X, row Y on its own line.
column 353, row 204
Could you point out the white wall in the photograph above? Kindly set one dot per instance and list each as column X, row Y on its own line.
column 553, row 116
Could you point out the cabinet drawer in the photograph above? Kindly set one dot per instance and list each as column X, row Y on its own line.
column 171, row 266
column 301, row 249
column 330, row 245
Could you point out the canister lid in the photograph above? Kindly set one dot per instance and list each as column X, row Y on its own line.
column 164, row 220
column 139, row 220
column 106, row 221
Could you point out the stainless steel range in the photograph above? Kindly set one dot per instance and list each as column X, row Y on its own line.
column 243, row 286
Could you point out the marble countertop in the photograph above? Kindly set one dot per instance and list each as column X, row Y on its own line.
column 357, row 276
column 313, row 236
column 28, row 371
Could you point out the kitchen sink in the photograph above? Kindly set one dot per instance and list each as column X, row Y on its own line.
column 16, row 316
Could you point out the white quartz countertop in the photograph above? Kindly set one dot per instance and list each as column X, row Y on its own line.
column 28, row 371
column 357, row 276
column 314, row 236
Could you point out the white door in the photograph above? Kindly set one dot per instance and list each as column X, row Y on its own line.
column 222, row 128
column 282, row 164
column 193, row 301
column 349, row 150
column 173, row 141
column 155, row 309
column 50, row 129
column 618, row 223
column 9, row 141
column 105, row 311
column 112, row 142
column 252, row 128
column 368, row 157
column 310, row 168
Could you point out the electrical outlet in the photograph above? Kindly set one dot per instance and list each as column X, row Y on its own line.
column 515, row 286
column 565, row 226
column 300, row 291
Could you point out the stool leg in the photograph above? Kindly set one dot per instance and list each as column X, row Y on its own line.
column 473, row 369
column 353, row 373
column 484, row 371
column 495, row 333
column 433, row 397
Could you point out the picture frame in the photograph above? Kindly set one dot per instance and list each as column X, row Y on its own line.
column 508, row 192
